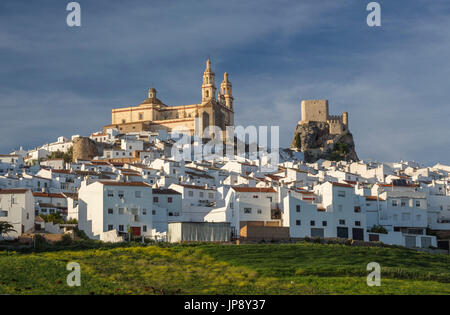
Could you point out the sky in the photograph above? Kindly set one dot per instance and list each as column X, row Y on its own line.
column 393, row 80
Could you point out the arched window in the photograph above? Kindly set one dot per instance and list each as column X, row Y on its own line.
column 207, row 93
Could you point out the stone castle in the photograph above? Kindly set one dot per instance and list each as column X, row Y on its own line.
column 153, row 115
column 317, row 110
column 320, row 135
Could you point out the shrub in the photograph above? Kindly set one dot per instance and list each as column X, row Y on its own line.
column 40, row 242
column 66, row 240
column 378, row 229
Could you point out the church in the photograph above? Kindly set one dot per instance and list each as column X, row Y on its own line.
column 153, row 115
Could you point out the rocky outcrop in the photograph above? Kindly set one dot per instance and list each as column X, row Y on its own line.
column 316, row 142
column 84, row 149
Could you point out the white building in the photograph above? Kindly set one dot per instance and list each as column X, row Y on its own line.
column 17, row 208
column 107, row 205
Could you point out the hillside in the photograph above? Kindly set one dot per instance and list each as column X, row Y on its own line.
column 303, row 268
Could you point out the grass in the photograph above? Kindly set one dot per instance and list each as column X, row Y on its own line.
column 302, row 268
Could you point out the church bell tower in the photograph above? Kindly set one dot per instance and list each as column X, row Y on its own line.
column 208, row 87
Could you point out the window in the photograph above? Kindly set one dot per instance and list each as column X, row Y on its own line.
column 169, row 199
column 201, row 194
column 190, row 193
column 341, row 193
column 417, row 203
column 255, row 197
column 340, row 208
column 110, row 211
column 120, row 228
column 418, row 217
column 448, row 208
column 342, row 222
column 298, row 208
column 144, row 211
column 211, row 195
column 28, row 216
column 153, row 212
column 394, row 203
column 141, row 116
column 144, row 228
column 324, row 223
column 298, row 222
column 137, row 194
column 403, row 203
column 110, row 193
column 248, row 210
column 357, row 223
column 155, row 199
column 357, row 209
column 110, row 227
column 259, row 211
column 312, row 223
column 121, row 211
column 120, row 193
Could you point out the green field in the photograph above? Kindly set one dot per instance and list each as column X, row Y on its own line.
column 302, row 268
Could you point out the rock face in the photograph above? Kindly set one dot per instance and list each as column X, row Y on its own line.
column 84, row 149
column 316, row 142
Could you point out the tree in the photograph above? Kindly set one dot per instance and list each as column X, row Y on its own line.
column 67, row 156
column 6, row 228
column 53, row 217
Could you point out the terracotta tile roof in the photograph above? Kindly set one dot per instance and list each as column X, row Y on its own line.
column 48, row 195
column 341, row 185
column 254, row 189
column 99, row 163
column 274, row 177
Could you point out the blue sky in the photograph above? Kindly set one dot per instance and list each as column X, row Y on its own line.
column 393, row 80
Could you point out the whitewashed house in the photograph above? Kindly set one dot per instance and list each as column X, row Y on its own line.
column 17, row 208
column 107, row 205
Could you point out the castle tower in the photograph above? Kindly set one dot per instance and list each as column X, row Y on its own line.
column 225, row 91
column 345, row 120
column 208, row 87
